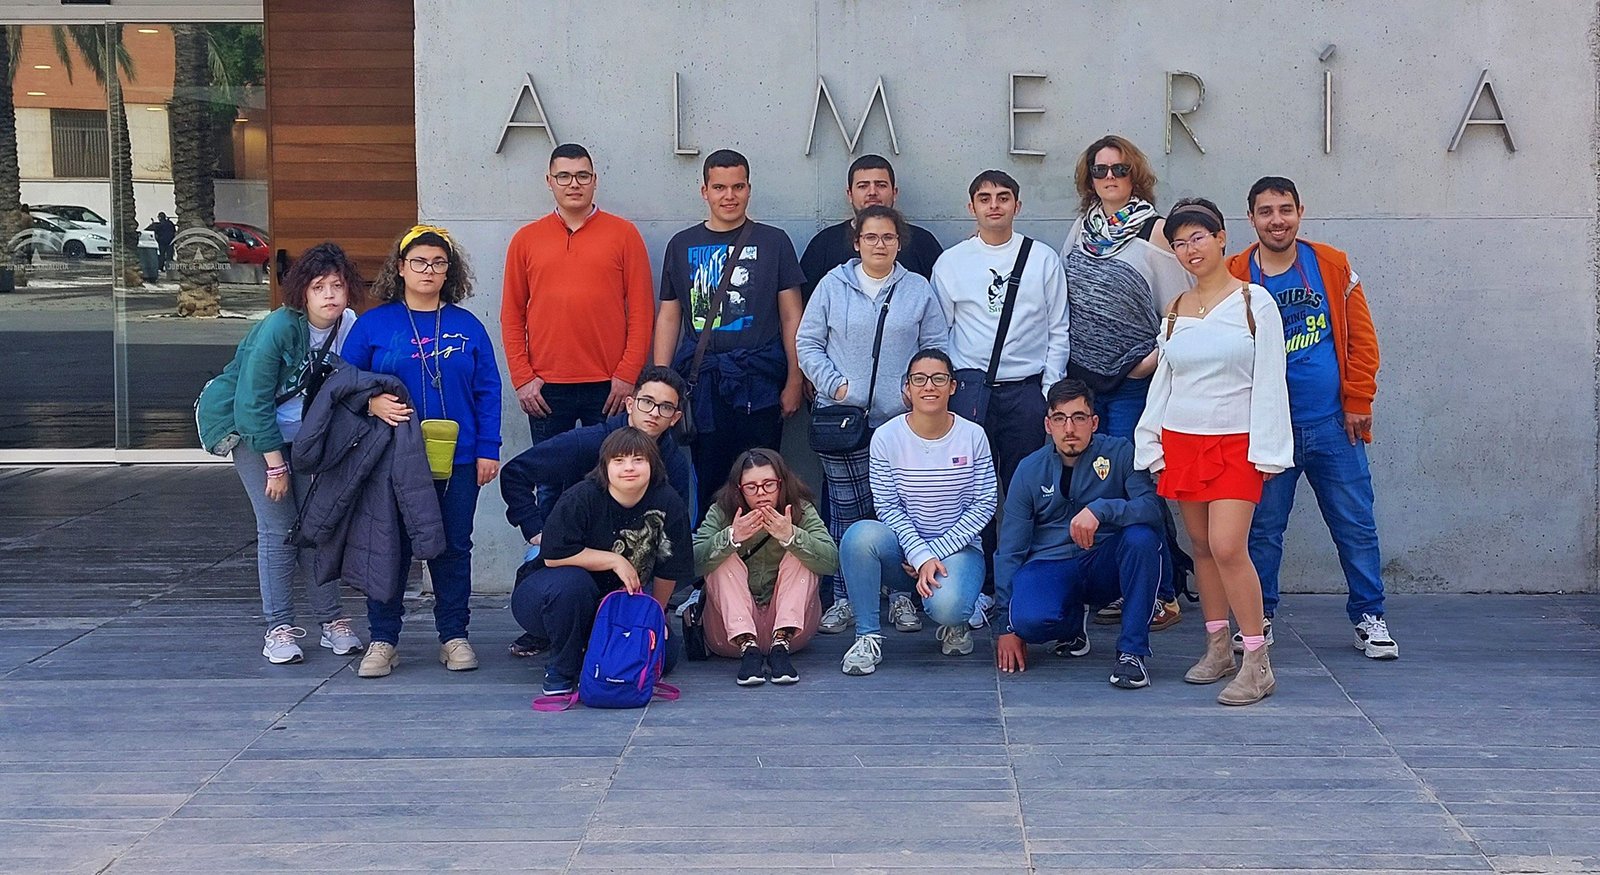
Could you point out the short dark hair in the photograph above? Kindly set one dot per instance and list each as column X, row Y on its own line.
column 869, row 162
column 660, row 374
column 1192, row 211
column 1068, row 389
column 879, row 211
column 629, row 441
column 1276, row 185
column 994, row 177
column 315, row 263
column 723, row 158
column 570, row 150
column 934, row 353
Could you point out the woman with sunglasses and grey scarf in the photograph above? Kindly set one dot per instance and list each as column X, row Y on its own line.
column 1121, row 276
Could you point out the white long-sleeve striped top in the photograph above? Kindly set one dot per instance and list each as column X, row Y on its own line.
column 937, row 495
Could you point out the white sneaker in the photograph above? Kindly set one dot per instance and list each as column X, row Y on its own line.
column 340, row 638
column 903, row 613
column 980, row 611
column 281, row 648
column 955, row 640
column 864, row 655
column 1266, row 631
column 1372, row 638
column 839, row 617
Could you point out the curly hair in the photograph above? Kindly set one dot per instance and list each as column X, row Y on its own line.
column 315, row 263
column 1142, row 177
column 457, row 287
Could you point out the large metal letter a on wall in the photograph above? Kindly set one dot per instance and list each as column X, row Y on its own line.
column 538, row 106
column 1179, row 114
column 850, row 142
column 1498, row 119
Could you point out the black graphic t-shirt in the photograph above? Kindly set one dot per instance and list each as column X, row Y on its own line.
column 653, row 534
column 767, row 265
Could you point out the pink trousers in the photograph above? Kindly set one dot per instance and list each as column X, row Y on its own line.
column 732, row 611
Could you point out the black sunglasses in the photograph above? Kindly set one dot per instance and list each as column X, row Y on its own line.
column 1100, row 171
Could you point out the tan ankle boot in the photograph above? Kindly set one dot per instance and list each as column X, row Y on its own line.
column 1255, row 681
column 1218, row 661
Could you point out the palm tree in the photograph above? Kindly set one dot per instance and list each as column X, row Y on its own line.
column 194, row 163
column 97, row 44
column 13, row 219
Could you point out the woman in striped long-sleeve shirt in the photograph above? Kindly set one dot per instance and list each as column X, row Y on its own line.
column 933, row 484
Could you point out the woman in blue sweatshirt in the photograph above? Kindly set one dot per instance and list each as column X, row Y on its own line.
column 443, row 354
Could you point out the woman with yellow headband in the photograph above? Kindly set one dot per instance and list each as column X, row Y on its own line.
column 443, row 354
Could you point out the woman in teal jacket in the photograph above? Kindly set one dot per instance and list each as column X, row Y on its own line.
column 253, row 410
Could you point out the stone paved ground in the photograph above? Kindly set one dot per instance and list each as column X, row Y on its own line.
column 140, row 731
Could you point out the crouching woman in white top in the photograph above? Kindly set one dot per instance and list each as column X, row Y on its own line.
column 933, row 484
column 1215, row 428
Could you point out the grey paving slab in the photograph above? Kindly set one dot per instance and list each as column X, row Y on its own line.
column 142, row 732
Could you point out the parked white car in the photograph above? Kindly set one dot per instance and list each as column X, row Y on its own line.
column 69, row 238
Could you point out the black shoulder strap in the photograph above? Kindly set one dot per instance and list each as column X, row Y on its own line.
column 312, row 364
column 1148, row 228
column 877, row 344
column 717, row 297
column 1007, row 308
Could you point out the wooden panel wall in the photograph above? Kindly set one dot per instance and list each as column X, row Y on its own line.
column 342, row 142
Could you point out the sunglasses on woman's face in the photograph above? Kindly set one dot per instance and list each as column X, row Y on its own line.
column 1101, row 171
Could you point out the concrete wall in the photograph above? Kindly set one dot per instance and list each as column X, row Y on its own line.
column 1478, row 263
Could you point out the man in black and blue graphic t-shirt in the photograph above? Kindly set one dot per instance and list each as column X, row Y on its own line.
column 750, row 378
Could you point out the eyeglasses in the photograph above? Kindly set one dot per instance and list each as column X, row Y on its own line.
column 1101, row 171
column 876, row 239
column 1194, row 239
column 646, row 405
column 582, row 177
column 765, row 487
column 1076, row 420
column 939, row 381
column 420, row 265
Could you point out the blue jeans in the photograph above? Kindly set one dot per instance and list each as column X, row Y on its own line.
column 571, row 404
column 870, row 557
column 1338, row 474
column 452, row 570
column 1049, row 596
column 1119, row 411
column 558, row 605
column 277, row 561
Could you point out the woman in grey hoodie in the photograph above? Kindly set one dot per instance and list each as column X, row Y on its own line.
column 835, row 345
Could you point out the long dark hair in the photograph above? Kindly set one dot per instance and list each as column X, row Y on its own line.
column 792, row 491
column 457, row 285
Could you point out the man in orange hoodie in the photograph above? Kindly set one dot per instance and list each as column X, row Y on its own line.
column 1333, row 376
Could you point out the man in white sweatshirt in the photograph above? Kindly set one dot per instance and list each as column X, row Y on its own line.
column 973, row 279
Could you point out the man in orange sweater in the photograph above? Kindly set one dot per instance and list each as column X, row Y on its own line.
column 578, row 305
column 1333, row 375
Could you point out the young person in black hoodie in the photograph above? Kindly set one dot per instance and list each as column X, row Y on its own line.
column 622, row 527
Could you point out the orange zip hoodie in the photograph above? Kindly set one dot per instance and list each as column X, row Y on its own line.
column 1355, row 341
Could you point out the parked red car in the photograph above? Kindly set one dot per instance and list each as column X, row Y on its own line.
column 247, row 244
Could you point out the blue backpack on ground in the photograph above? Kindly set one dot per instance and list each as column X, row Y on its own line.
column 626, row 655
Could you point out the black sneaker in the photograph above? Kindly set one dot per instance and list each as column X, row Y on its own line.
column 528, row 645
column 779, row 666
column 750, row 668
column 1078, row 645
column 556, row 685
column 1129, row 673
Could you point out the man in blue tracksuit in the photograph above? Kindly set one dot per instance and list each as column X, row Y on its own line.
column 1081, row 527
column 558, row 462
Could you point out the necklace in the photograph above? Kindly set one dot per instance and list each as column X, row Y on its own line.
column 436, row 374
column 1205, row 307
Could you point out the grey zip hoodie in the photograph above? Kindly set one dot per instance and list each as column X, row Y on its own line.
column 835, row 339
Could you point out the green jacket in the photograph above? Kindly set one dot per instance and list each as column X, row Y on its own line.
column 243, row 398
column 812, row 545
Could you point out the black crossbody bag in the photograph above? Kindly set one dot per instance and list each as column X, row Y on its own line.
column 971, row 399
column 686, row 431
column 843, row 428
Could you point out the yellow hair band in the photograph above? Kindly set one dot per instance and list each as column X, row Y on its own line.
column 419, row 230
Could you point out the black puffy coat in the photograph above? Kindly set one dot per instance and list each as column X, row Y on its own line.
column 371, row 478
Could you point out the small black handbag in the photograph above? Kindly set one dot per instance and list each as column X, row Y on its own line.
column 843, row 428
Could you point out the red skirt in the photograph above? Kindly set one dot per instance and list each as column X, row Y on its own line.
column 1208, row 467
